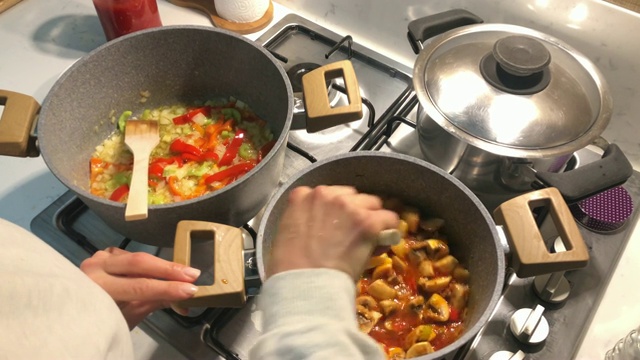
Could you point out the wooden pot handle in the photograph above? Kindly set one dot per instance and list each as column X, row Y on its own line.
column 227, row 289
column 6, row 4
column 320, row 114
column 530, row 256
column 16, row 125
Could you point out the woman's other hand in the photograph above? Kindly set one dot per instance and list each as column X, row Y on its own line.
column 331, row 227
column 140, row 283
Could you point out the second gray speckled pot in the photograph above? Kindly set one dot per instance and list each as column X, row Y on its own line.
column 470, row 228
column 175, row 64
column 471, row 232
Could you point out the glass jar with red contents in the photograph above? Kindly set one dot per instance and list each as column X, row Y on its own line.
column 121, row 17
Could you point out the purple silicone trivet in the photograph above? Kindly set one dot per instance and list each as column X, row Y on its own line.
column 605, row 212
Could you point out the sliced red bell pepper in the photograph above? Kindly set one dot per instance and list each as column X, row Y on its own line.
column 264, row 150
column 119, row 192
column 181, row 147
column 157, row 165
column 156, row 169
column 230, row 172
column 188, row 117
column 190, row 157
column 210, row 156
column 232, row 149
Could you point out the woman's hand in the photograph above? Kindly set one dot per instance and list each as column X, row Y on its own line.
column 140, row 283
column 331, row 227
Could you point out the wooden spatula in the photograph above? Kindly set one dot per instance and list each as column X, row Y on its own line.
column 141, row 136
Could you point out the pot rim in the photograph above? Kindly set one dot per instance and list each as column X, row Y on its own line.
column 432, row 111
column 80, row 190
column 469, row 332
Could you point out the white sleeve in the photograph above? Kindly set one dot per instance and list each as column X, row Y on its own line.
column 50, row 308
column 310, row 314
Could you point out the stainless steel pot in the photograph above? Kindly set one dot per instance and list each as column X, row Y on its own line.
column 502, row 105
column 174, row 64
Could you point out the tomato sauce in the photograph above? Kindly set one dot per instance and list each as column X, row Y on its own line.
column 121, row 17
column 425, row 280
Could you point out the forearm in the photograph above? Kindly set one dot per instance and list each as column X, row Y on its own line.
column 310, row 314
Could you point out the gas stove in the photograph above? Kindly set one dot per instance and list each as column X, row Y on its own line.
column 388, row 124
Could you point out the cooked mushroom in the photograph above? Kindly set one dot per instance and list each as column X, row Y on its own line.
column 458, row 296
column 403, row 227
column 400, row 249
column 435, row 284
column 384, row 271
column 367, row 302
column 380, row 290
column 398, row 264
column 437, row 308
column 389, row 306
column 461, row 274
column 436, row 249
column 367, row 319
column 419, row 334
column 416, row 304
column 426, row 268
column 415, row 256
column 395, row 353
column 378, row 260
column 431, row 224
column 412, row 217
column 445, row 265
column 421, row 348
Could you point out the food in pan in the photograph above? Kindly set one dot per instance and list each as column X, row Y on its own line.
column 202, row 148
column 412, row 299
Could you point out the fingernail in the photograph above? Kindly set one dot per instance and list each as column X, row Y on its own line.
column 189, row 289
column 180, row 310
column 192, row 272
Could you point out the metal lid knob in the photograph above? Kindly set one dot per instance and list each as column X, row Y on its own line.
column 521, row 55
column 517, row 64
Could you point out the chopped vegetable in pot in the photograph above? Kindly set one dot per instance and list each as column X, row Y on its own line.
column 413, row 298
column 202, row 149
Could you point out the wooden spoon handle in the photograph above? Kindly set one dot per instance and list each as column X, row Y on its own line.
column 137, row 208
column 388, row 237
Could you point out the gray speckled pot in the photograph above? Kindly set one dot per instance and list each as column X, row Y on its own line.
column 173, row 63
column 471, row 231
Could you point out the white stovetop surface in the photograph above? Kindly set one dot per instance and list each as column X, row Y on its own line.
column 40, row 39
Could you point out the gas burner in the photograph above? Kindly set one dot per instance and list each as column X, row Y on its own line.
column 297, row 71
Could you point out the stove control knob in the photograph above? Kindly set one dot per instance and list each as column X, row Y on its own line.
column 508, row 355
column 529, row 326
column 553, row 288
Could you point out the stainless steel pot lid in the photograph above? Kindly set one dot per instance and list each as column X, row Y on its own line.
column 512, row 90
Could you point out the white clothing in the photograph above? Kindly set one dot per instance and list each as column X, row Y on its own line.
column 310, row 314
column 50, row 309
